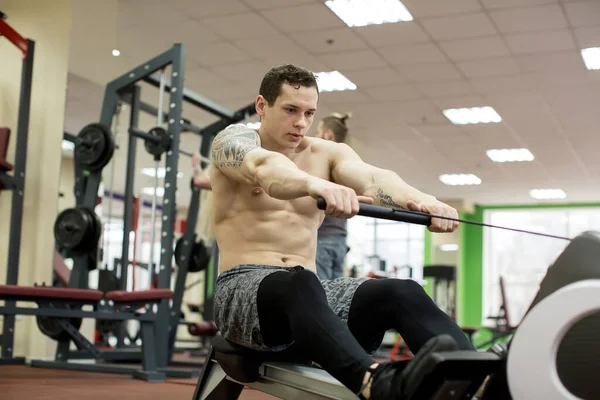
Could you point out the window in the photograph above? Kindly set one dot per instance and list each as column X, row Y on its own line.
column 522, row 259
column 399, row 245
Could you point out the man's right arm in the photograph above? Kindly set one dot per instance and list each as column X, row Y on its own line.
column 236, row 152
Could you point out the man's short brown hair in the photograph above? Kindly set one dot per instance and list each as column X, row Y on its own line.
column 270, row 87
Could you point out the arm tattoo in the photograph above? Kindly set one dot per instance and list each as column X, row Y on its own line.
column 230, row 147
column 386, row 199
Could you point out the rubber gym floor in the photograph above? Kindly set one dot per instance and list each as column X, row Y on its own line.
column 26, row 383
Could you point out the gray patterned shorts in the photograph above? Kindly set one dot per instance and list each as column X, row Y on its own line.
column 235, row 296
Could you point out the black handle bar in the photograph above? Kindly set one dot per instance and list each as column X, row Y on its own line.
column 394, row 214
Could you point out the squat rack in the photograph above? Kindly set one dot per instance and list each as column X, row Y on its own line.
column 126, row 89
column 16, row 182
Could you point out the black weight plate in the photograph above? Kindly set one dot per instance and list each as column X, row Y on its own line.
column 107, row 154
column 50, row 326
column 157, row 149
column 71, row 228
column 200, row 257
column 91, row 146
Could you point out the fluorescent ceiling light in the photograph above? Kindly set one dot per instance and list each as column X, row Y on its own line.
column 509, row 155
column 116, row 53
column 547, row 194
column 161, row 172
column 160, row 192
column 369, row 12
column 333, row 81
column 591, row 57
column 253, row 125
column 449, row 247
column 67, row 146
column 473, row 115
column 460, row 179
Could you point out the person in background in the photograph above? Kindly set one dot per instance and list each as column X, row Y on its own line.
column 331, row 241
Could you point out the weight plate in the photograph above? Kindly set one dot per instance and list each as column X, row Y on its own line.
column 157, row 149
column 70, row 228
column 94, row 147
column 50, row 326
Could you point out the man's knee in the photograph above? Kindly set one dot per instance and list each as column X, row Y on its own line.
column 402, row 290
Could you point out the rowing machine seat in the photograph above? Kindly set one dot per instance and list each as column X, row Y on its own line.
column 243, row 364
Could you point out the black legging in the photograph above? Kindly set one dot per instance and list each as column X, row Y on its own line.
column 293, row 306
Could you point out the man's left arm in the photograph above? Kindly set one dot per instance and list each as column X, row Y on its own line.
column 387, row 188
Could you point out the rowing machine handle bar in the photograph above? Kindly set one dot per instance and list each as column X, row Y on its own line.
column 394, row 214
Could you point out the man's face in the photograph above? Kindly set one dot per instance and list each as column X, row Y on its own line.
column 287, row 121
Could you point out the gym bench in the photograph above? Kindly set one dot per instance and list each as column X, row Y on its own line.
column 451, row 375
column 59, row 316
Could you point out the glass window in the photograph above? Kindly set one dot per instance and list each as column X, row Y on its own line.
column 398, row 244
column 522, row 259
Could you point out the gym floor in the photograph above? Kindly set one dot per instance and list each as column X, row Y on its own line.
column 20, row 382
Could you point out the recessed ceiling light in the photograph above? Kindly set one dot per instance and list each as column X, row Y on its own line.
column 253, row 125
column 369, row 12
column 161, row 172
column 116, row 53
column 160, row 192
column 591, row 57
column 547, row 194
column 509, row 155
column 333, row 81
column 473, row 115
column 460, row 179
column 448, row 247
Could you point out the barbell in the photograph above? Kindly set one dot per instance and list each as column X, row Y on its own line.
column 157, row 141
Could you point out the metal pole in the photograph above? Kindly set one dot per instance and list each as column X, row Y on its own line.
column 159, row 122
column 16, row 214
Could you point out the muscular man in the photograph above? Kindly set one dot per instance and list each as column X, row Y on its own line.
column 268, row 297
column 331, row 236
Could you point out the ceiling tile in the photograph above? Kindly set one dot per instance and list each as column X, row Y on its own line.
column 472, row 49
column 268, row 4
column 493, row 4
column 243, row 71
column 301, row 59
column 491, row 67
column 529, row 19
column 147, row 12
column 241, row 26
column 429, row 73
column 541, row 42
column 208, row 8
column 393, row 93
column 374, row 77
column 203, row 77
column 211, row 54
column 419, row 112
column 412, row 54
column 583, row 13
column 459, row 26
column 459, row 102
column 446, row 89
column 331, row 99
column 391, row 34
column 433, row 8
column 504, row 84
column 587, row 36
column 303, row 18
column 353, row 60
column 564, row 61
column 342, row 39
column 276, row 47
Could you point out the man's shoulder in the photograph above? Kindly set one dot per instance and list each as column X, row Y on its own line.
column 318, row 144
column 237, row 129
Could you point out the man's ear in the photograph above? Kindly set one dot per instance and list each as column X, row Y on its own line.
column 261, row 104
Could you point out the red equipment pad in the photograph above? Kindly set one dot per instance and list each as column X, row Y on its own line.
column 49, row 293
column 122, row 296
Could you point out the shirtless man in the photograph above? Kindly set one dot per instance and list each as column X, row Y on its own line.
column 268, row 297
